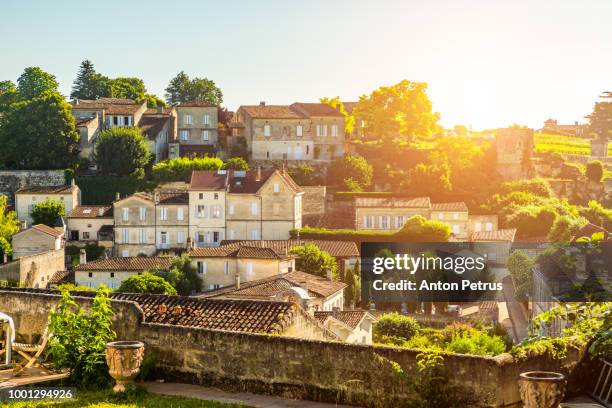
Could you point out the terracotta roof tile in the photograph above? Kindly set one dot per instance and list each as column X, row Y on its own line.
column 207, row 180
column 91, row 211
column 498, row 235
column 457, row 207
column 351, row 318
column 393, row 202
column 61, row 277
column 63, row 189
column 139, row 263
column 272, row 112
column 337, row 249
column 112, row 106
column 47, row 230
column 196, row 104
column 315, row 109
column 173, row 197
column 239, row 251
column 152, row 125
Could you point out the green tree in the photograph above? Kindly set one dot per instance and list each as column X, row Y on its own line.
column 600, row 120
column 180, row 169
column 354, row 171
column 146, row 283
column 89, row 84
column 429, row 180
column 129, row 88
column 400, row 111
column 597, row 214
column 121, row 151
column 311, row 259
column 9, row 224
column 520, row 267
column 183, row 89
column 182, row 275
column 39, row 134
column 395, row 325
column 34, row 82
column 564, row 228
column 336, row 103
column 305, row 175
column 236, row 163
column 47, row 212
column 79, row 338
column 8, row 95
column 595, row 170
column 420, row 229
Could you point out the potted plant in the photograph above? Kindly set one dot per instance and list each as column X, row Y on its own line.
column 124, row 359
column 541, row 389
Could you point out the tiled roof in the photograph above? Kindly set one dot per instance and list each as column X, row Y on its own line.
column 91, row 211
column 47, row 230
column 349, row 106
column 164, row 111
column 63, row 189
column 351, row 318
column 337, row 249
column 269, row 287
column 246, row 251
column 248, row 182
column 83, row 121
column 196, row 104
column 457, row 207
column 112, row 106
column 393, row 202
column 61, row 277
column 173, row 197
column 337, row 218
column 316, row 109
column 272, row 112
column 207, row 180
column 498, row 235
column 152, row 125
column 220, row 314
column 138, row 263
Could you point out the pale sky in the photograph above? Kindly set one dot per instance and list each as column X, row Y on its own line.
column 488, row 63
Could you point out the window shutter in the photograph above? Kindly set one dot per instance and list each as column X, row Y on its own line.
column 365, row 221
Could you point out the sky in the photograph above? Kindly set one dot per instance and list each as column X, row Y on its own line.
column 487, row 63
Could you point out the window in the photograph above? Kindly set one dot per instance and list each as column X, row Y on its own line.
column 201, row 196
column 142, row 236
column 163, row 213
column 180, row 214
column 201, row 268
column 206, row 120
column 163, row 238
column 368, row 221
column 334, row 130
column 277, row 187
column 455, row 229
column 116, row 120
column 202, row 211
column 142, row 213
column 226, row 267
column 216, row 236
column 478, row 227
column 249, row 269
column 399, row 221
column 254, row 208
column 254, row 234
column 205, row 135
column 126, row 236
column 126, row 121
column 441, row 216
column 85, row 235
column 216, row 211
column 180, row 237
column 124, row 254
column 126, row 214
column 90, row 274
column 187, row 120
column 215, row 286
column 324, row 128
column 184, row 135
column 266, row 130
column 231, row 209
column 200, row 237
column 298, row 131
column 489, row 226
column 216, row 196
column 112, row 274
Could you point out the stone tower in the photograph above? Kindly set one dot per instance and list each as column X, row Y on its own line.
column 514, row 148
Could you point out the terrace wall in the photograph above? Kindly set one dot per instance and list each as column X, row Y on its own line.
column 305, row 369
column 13, row 180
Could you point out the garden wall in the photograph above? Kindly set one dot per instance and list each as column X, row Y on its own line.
column 316, row 370
column 13, row 180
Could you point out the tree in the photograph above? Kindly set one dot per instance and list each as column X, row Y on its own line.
column 89, row 84
column 9, row 224
column 396, row 325
column 121, row 151
column 8, row 95
column 311, row 259
column 597, row 214
column 400, row 111
column 460, row 130
column 600, row 120
column 594, row 170
column 129, row 88
column 354, row 171
column 183, row 89
column 182, row 275
column 336, row 103
column 47, row 212
column 564, row 228
column 236, row 163
column 420, row 229
column 305, row 175
column 146, row 283
column 34, row 82
column 39, row 134
column 520, row 267
column 429, row 180
column 180, row 169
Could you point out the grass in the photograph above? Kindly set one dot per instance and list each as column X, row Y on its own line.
column 563, row 144
column 135, row 399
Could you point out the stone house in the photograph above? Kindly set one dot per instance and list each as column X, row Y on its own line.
column 198, row 134
column 388, row 214
column 495, row 245
column 112, row 271
column 482, row 222
column 309, row 132
column 36, row 239
column 514, row 149
column 312, row 292
column 34, row 270
column 454, row 214
column 90, row 224
column 26, row 199
column 352, row 326
column 159, row 127
column 231, row 264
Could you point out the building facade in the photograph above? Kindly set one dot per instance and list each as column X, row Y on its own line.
column 197, row 131
column 27, row 198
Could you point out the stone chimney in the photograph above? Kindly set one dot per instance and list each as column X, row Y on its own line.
column 73, row 182
column 329, row 274
column 100, row 212
column 117, row 196
column 82, row 256
column 189, row 244
column 258, row 176
column 76, row 101
column 237, row 276
column 262, row 103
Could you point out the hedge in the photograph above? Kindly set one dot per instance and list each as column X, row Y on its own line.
column 102, row 190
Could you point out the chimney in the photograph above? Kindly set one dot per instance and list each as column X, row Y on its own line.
column 117, row 196
column 329, row 274
column 156, row 197
column 82, row 257
column 335, row 311
column 100, row 212
column 258, row 177
column 76, row 101
column 262, row 103
column 73, row 182
column 24, row 224
column 237, row 276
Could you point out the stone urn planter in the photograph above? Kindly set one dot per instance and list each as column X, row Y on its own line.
column 123, row 359
column 541, row 389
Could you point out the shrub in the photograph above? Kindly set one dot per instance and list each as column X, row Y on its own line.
column 311, row 259
column 79, row 338
column 146, row 283
column 182, row 276
column 396, row 325
column 236, row 163
column 478, row 343
column 305, row 175
column 537, row 186
column 594, row 171
column 48, row 212
column 420, row 229
column 102, row 190
column 180, row 169
column 353, row 171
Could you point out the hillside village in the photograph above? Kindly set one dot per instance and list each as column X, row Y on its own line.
column 253, row 221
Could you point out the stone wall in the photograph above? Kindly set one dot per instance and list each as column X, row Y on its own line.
column 313, row 201
column 13, row 180
column 306, row 369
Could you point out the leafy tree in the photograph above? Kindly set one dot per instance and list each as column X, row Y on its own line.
column 182, row 275
column 180, row 168
column 89, row 84
column 396, row 325
column 34, row 82
column 460, row 130
column 594, row 170
column 152, row 101
column 146, row 283
column 39, row 134
column 9, row 224
column 311, row 259
column 354, row 171
column 129, row 88
column 429, row 180
column 183, row 89
column 597, row 214
column 564, row 228
column 47, row 212
column 400, row 111
column 352, row 278
column 79, row 338
column 8, row 95
column 121, row 151
column 236, row 163
column 224, row 116
column 600, row 120
column 349, row 120
column 420, row 229
column 520, row 267
column 305, row 175
column 537, row 186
